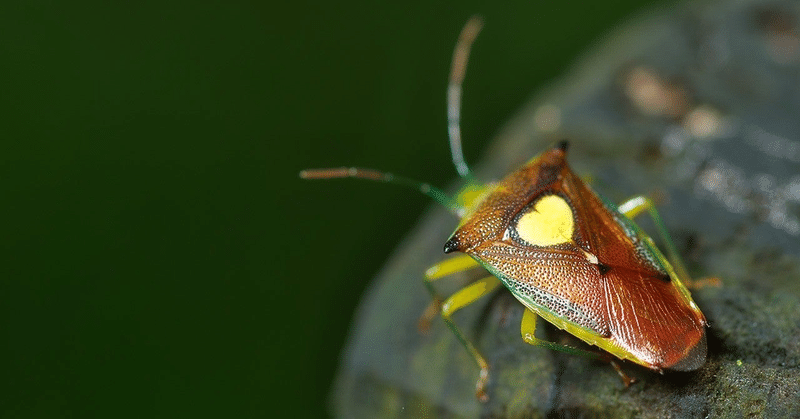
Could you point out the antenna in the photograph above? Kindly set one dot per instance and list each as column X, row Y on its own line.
column 376, row 175
column 458, row 69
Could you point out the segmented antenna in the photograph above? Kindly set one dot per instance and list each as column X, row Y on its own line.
column 458, row 69
column 376, row 175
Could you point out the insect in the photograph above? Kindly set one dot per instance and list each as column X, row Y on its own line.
column 568, row 256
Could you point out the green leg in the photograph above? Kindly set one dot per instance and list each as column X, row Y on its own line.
column 440, row 270
column 528, row 330
column 463, row 298
column 638, row 204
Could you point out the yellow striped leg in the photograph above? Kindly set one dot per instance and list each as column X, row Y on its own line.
column 638, row 204
column 463, row 298
column 440, row 270
column 528, row 330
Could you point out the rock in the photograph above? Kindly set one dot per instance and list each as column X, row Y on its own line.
column 698, row 107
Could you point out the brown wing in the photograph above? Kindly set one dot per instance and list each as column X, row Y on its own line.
column 559, row 280
column 651, row 319
column 647, row 314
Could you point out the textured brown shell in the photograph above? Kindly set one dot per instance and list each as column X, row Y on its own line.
column 629, row 303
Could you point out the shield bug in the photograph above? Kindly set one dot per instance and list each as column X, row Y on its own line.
column 567, row 255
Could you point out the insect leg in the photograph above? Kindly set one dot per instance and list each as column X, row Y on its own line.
column 440, row 270
column 638, row 204
column 463, row 298
column 450, row 266
column 528, row 330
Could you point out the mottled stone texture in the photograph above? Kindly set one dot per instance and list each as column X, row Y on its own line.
column 698, row 107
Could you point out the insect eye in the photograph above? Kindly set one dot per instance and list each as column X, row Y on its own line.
column 547, row 221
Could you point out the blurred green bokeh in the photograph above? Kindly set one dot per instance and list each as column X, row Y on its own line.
column 160, row 257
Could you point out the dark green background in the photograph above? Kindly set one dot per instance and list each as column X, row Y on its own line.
column 160, row 257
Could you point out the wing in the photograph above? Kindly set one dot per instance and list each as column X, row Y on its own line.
column 558, row 284
column 650, row 319
column 632, row 314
